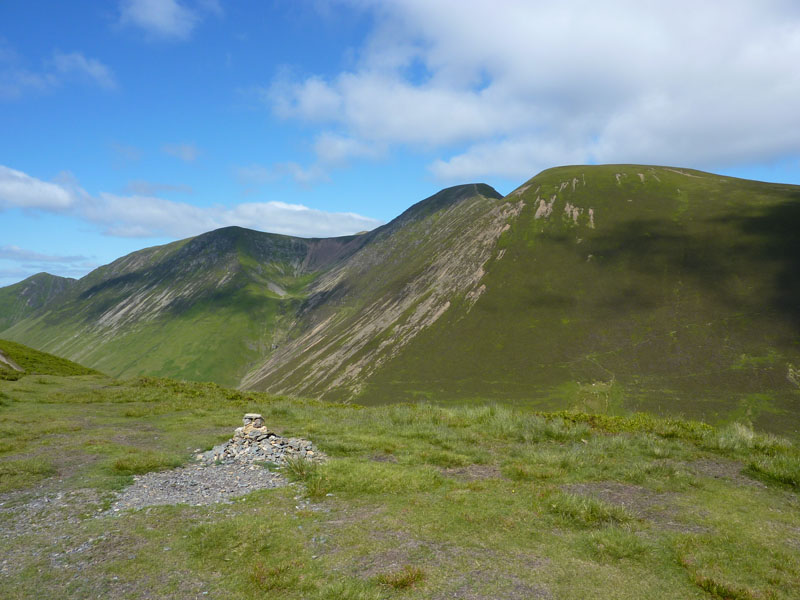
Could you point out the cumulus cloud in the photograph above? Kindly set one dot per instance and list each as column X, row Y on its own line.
column 166, row 19
column 186, row 152
column 509, row 88
column 139, row 215
column 333, row 149
column 19, row 190
column 142, row 216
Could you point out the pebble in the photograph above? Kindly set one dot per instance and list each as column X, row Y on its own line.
column 196, row 485
column 224, row 472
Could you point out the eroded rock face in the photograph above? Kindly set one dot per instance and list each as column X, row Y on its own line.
column 254, row 442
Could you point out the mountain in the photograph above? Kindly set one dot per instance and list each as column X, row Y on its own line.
column 200, row 308
column 611, row 288
column 608, row 288
column 26, row 297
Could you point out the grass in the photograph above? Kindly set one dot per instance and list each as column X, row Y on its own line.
column 402, row 578
column 33, row 361
column 416, row 501
column 22, row 473
column 581, row 511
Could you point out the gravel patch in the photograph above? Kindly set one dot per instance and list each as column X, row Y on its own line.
column 196, row 485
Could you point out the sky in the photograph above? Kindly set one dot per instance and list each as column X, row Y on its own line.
column 131, row 123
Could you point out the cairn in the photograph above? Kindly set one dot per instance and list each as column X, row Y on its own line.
column 254, row 442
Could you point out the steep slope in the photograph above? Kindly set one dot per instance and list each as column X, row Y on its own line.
column 363, row 312
column 201, row 308
column 624, row 288
column 17, row 360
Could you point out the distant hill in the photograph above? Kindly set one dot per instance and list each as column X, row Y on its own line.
column 202, row 308
column 26, row 297
column 609, row 288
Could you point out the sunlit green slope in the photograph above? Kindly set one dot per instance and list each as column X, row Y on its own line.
column 200, row 309
column 626, row 287
column 18, row 360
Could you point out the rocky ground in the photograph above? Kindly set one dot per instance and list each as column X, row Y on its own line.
column 196, row 485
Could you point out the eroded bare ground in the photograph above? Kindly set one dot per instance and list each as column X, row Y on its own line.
column 473, row 572
column 729, row 470
column 659, row 508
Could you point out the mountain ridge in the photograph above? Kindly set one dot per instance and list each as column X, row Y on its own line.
column 605, row 287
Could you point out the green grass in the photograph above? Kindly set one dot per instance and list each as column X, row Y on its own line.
column 581, row 511
column 41, row 363
column 24, row 472
column 416, row 501
column 402, row 578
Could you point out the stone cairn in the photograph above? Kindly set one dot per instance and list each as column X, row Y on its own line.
column 255, row 442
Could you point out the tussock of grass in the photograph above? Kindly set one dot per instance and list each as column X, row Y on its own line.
column 737, row 437
column 138, row 462
column 269, row 577
column 614, row 543
column 311, row 474
column 402, row 578
column 782, row 468
column 583, row 511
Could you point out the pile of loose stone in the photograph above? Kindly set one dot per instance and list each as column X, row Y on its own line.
column 222, row 473
column 254, row 442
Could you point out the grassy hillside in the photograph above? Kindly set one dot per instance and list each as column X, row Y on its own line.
column 612, row 289
column 204, row 308
column 26, row 297
column 624, row 288
column 416, row 501
column 366, row 309
column 17, row 360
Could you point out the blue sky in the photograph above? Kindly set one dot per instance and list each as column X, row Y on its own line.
column 132, row 123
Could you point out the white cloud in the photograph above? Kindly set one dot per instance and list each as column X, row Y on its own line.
column 16, row 80
column 150, row 216
column 253, row 176
column 77, row 63
column 507, row 88
column 142, row 216
column 186, row 152
column 333, row 149
column 166, row 19
column 18, row 190
column 15, row 253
